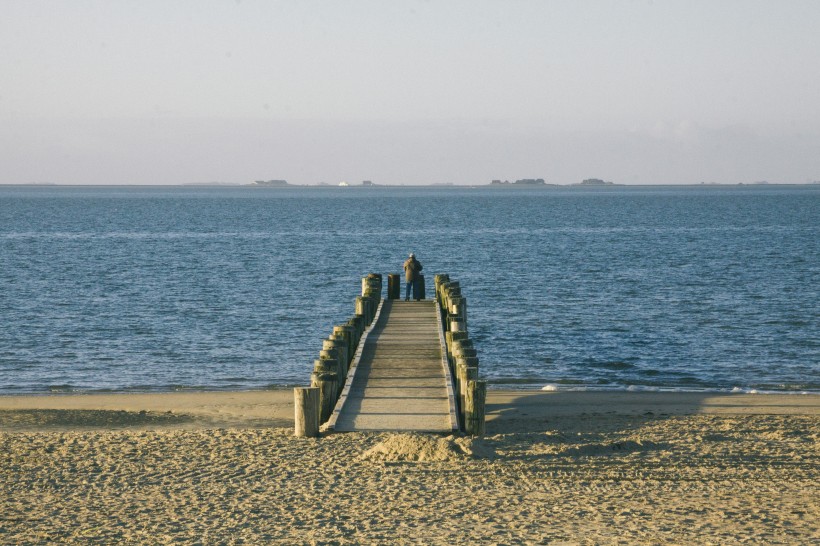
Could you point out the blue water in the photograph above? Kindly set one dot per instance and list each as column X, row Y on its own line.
column 155, row 289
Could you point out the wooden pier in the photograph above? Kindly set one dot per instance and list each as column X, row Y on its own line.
column 401, row 380
column 396, row 366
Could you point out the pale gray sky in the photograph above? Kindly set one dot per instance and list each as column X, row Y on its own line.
column 409, row 92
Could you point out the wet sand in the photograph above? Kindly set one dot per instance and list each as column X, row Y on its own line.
column 572, row 468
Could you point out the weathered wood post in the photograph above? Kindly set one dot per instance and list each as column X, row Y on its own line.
column 340, row 347
column 364, row 307
column 476, row 400
column 462, row 366
column 372, row 281
column 461, row 348
column 451, row 338
column 327, row 365
column 373, row 297
column 418, row 287
column 457, row 324
column 458, row 308
column 328, row 384
column 470, row 374
column 358, row 325
column 330, row 357
column 306, row 402
column 438, row 280
column 345, row 331
column 393, row 286
column 450, row 289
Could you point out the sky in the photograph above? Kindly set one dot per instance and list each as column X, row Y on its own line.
column 409, row 92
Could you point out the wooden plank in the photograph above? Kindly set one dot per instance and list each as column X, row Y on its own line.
column 401, row 380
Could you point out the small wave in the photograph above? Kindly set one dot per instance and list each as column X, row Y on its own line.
column 744, row 390
column 56, row 389
column 642, row 388
column 557, row 387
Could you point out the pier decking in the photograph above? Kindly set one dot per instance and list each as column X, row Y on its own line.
column 401, row 380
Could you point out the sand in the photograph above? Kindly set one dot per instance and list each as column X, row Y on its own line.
column 559, row 468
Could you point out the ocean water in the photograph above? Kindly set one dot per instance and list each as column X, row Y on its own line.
column 168, row 288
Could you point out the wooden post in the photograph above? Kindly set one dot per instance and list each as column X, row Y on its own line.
column 462, row 308
column 363, row 307
column 346, row 332
column 418, row 288
column 461, row 391
column 393, row 286
column 465, row 343
column 451, row 290
column 373, row 281
column 461, row 350
column 306, row 402
column 454, row 347
column 376, row 282
column 457, row 324
column 329, row 354
column 438, row 280
column 372, row 302
column 475, row 416
column 453, row 336
column 458, row 307
column 357, row 322
column 328, row 384
column 469, row 361
column 470, row 374
column 465, row 362
column 450, row 338
column 324, row 364
column 338, row 345
column 328, row 363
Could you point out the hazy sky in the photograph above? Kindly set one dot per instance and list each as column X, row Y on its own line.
column 409, row 92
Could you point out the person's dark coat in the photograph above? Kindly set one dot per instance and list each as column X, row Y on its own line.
column 412, row 267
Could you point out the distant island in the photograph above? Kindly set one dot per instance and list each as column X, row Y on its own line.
column 521, row 182
column 274, row 183
column 595, row 182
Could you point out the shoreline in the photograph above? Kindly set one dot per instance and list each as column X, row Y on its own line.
column 274, row 408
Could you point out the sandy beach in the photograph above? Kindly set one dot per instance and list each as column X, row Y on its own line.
column 559, row 468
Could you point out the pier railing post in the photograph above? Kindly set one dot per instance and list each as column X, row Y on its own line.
column 326, row 376
column 418, row 288
column 306, row 401
column 364, row 307
column 340, row 347
column 328, row 389
column 373, row 281
column 474, row 420
column 358, row 324
column 393, row 286
column 345, row 331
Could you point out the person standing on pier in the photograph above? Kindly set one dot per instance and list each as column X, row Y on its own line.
column 412, row 268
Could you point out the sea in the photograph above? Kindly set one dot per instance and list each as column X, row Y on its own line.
column 155, row 289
